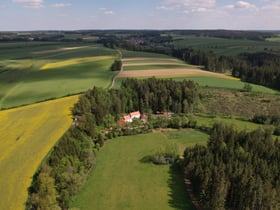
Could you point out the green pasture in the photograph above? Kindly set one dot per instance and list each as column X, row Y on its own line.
column 23, row 82
column 155, row 60
column 152, row 67
column 276, row 38
column 239, row 124
column 122, row 179
column 224, row 46
column 131, row 54
column 219, row 82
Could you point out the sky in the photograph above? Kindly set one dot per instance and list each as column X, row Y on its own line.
column 18, row 15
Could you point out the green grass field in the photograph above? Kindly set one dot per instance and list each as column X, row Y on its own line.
column 23, row 81
column 224, row 46
column 208, row 121
column 207, row 81
column 121, row 180
column 131, row 54
column 145, row 67
column 155, row 60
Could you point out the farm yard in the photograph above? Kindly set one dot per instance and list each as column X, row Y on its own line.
column 27, row 134
column 123, row 180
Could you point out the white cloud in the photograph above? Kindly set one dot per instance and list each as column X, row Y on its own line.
column 165, row 8
column 200, row 9
column 106, row 11
column 245, row 5
column 61, row 5
column 35, row 4
column 109, row 12
column 188, row 5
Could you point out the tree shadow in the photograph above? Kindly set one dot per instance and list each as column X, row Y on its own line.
column 179, row 197
column 146, row 159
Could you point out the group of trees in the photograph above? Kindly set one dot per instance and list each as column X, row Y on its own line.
column 236, row 170
column 95, row 115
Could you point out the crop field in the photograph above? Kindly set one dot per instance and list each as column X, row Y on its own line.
column 122, row 179
column 26, row 136
column 37, row 72
column 163, row 67
column 144, row 67
column 133, row 54
column 224, row 46
column 228, row 83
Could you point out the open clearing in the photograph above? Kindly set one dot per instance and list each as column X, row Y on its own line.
column 26, row 136
column 122, row 180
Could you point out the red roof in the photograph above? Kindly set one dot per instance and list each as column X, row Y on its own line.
column 132, row 114
column 126, row 117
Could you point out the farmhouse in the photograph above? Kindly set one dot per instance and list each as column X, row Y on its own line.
column 131, row 116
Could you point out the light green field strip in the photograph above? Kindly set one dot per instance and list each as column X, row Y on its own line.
column 69, row 62
column 26, row 136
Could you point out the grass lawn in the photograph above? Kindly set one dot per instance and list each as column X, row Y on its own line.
column 121, row 180
column 26, row 136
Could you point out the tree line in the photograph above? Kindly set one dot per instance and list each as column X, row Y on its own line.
column 259, row 68
column 236, row 170
column 68, row 165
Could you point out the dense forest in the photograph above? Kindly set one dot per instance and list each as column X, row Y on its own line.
column 95, row 115
column 236, row 170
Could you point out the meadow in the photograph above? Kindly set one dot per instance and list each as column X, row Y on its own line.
column 27, row 134
column 222, row 46
column 133, row 54
column 227, row 83
column 122, row 179
column 37, row 72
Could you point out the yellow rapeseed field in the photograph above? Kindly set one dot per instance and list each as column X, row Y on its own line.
column 74, row 61
column 26, row 135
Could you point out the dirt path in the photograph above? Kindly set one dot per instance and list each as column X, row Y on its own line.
column 115, row 77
